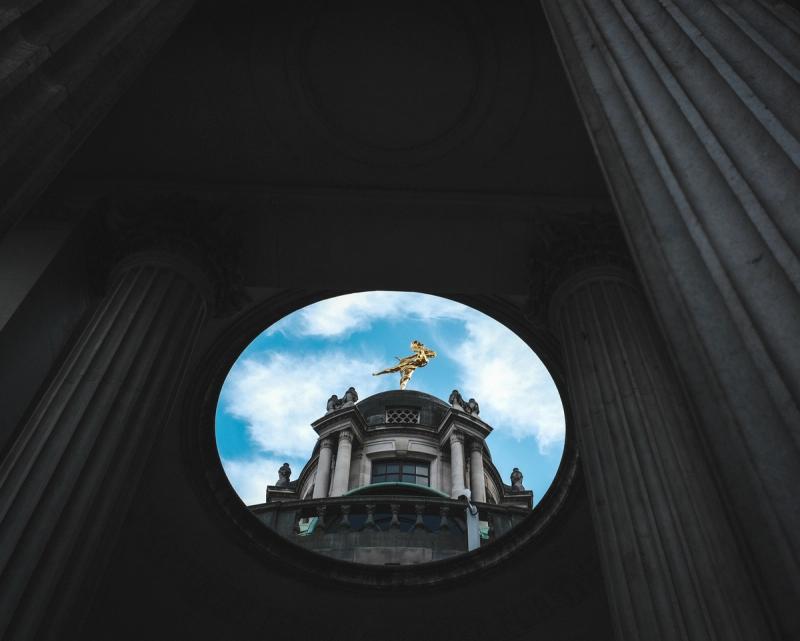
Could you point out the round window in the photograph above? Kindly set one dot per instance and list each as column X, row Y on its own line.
column 390, row 428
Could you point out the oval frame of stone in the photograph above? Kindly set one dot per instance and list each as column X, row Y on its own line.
column 246, row 528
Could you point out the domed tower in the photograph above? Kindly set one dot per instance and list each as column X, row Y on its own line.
column 400, row 477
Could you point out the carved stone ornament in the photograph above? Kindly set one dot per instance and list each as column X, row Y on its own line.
column 516, row 481
column 333, row 404
column 349, row 398
column 468, row 407
column 284, row 474
column 456, row 400
column 180, row 226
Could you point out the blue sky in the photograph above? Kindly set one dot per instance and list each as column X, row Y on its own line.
column 283, row 379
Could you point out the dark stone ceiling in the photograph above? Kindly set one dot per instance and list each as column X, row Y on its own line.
column 443, row 97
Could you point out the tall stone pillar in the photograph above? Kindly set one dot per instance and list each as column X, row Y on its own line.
column 341, row 471
column 457, row 464
column 477, row 482
column 671, row 562
column 66, row 483
column 692, row 109
column 323, row 477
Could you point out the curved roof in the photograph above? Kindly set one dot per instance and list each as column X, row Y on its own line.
column 431, row 409
column 396, row 488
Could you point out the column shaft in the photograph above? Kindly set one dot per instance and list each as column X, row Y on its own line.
column 691, row 107
column 457, row 464
column 77, row 460
column 478, row 484
column 323, row 476
column 341, row 471
column 670, row 559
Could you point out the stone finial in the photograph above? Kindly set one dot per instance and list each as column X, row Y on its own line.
column 468, row 407
column 333, row 404
column 284, row 473
column 456, row 401
column 516, row 481
column 350, row 396
column 348, row 399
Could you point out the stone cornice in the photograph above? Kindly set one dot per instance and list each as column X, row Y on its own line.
column 465, row 424
column 339, row 420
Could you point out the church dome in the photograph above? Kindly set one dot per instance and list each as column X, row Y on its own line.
column 403, row 407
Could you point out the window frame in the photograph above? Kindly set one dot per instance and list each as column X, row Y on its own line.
column 396, row 467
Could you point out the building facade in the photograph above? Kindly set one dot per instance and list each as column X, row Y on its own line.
column 397, row 462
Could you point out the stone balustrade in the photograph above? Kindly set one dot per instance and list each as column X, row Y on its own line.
column 387, row 529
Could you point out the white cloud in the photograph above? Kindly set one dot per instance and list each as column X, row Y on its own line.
column 250, row 476
column 343, row 315
column 514, row 389
column 277, row 394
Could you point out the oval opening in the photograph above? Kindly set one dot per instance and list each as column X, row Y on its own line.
column 387, row 476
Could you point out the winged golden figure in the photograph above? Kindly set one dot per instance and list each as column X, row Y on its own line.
column 406, row 366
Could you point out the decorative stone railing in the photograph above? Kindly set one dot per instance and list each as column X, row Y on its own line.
column 385, row 529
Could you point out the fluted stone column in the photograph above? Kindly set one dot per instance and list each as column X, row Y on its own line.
column 341, row 471
column 457, row 464
column 323, row 477
column 478, row 484
column 670, row 559
column 692, row 109
column 66, row 483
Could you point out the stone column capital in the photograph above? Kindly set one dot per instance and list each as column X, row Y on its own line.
column 326, row 443
column 345, row 435
column 177, row 233
column 476, row 446
column 588, row 275
column 570, row 247
column 456, row 437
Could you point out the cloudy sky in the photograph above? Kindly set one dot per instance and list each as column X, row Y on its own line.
column 282, row 381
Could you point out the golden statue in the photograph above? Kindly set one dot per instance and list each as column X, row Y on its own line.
column 407, row 365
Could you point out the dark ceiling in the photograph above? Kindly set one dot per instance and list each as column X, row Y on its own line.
column 446, row 97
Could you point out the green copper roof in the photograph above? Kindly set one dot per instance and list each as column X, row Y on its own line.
column 424, row 489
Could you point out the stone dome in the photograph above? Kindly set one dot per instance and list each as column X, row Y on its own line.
column 431, row 409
